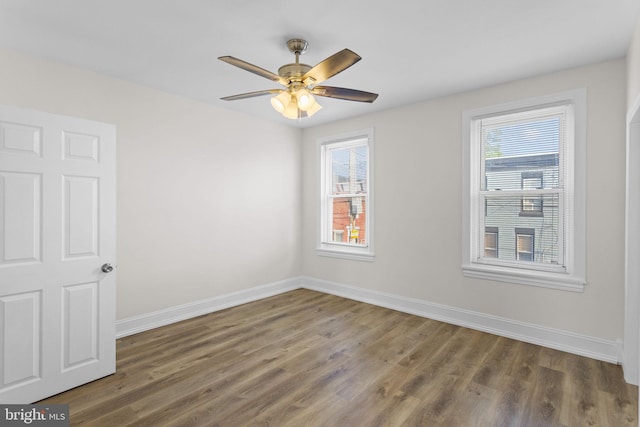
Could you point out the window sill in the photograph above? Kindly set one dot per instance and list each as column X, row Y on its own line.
column 543, row 279
column 356, row 254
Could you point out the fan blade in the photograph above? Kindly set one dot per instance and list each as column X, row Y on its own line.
column 332, row 65
column 251, row 94
column 253, row 69
column 343, row 93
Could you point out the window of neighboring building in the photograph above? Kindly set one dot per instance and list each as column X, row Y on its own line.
column 524, row 166
column 532, row 203
column 491, row 242
column 346, row 197
column 525, row 244
column 338, row 235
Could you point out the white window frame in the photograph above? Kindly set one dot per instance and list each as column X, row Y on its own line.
column 572, row 276
column 325, row 247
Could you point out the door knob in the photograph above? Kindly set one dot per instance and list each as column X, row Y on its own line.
column 107, row 268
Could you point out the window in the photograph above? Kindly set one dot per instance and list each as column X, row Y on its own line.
column 524, row 244
column 531, row 204
column 491, row 242
column 346, row 223
column 524, row 166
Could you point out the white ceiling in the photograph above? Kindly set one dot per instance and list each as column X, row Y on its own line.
column 412, row 50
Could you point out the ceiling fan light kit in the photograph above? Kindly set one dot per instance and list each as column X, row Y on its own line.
column 301, row 82
column 295, row 105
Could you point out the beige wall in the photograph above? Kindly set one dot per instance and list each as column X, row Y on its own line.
column 633, row 68
column 196, row 185
column 418, row 183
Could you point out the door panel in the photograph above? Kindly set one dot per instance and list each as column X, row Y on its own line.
column 81, row 147
column 81, row 216
column 20, row 326
column 80, row 324
column 20, row 139
column 20, row 219
column 57, row 227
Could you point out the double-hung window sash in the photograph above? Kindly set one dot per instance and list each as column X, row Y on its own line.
column 520, row 184
column 346, row 192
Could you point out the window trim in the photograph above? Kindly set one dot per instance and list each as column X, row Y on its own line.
column 573, row 278
column 341, row 250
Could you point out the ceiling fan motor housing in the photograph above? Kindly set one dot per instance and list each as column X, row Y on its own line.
column 293, row 72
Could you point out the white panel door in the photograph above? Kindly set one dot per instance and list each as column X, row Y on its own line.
column 57, row 242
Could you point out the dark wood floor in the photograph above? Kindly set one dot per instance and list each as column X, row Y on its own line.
column 309, row 359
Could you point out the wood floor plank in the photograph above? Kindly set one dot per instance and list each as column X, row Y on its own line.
column 305, row 358
column 509, row 405
column 543, row 408
column 386, row 394
column 472, row 402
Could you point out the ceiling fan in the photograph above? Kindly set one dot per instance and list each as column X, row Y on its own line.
column 301, row 81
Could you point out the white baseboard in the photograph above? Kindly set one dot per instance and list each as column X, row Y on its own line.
column 144, row 322
column 596, row 348
column 583, row 345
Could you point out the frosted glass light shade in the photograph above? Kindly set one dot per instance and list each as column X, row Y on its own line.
column 313, row 109
column 291, row 112
column 305, row 100
column 281, row 101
